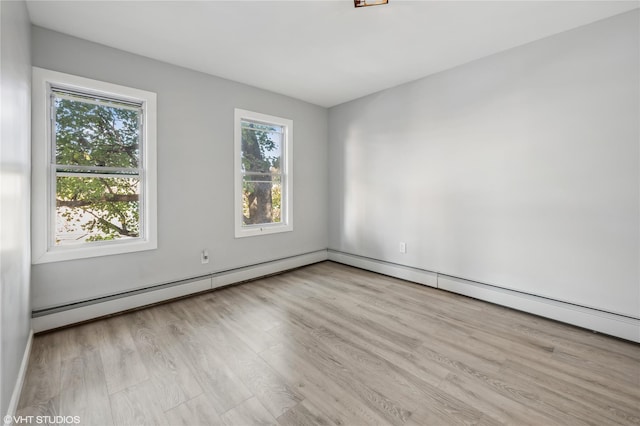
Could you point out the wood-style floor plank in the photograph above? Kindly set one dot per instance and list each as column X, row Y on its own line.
column 332, row 345
column 43, row 371
column 304, row 414
column 223, row 387
column 137, row 405
column 122, row 364
column 169, row 374
column 297, row 365
column 273, row 392
column 250, row 412
column 84, row 385
column 196, row 411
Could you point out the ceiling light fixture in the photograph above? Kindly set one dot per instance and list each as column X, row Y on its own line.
column 362, row 3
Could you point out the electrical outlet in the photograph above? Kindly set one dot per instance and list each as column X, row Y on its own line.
column 403, row 247
column 204, row 256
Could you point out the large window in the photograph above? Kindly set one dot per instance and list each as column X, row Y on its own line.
column 263, row 173
column 94, row 168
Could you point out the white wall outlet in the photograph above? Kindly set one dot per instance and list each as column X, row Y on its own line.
column 204, row 256
column 403, row 247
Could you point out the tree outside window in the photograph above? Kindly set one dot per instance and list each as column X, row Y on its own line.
column 263, row 167
column 94, row 179
column 97, row 159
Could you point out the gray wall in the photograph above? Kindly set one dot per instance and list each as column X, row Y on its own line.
column 15, row 178
column 519, row 170
column 195, row 174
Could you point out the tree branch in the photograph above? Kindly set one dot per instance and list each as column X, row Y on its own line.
column 108, row 224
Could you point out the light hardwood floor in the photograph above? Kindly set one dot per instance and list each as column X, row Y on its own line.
column 332, row 345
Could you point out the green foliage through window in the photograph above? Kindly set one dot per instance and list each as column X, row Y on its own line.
column 262, row 148
column 97, row 158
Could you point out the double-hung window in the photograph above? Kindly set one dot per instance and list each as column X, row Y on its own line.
column 94, row 168
column 263, row 163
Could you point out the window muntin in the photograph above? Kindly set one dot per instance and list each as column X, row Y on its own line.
column 263, row 165
column 93, row 167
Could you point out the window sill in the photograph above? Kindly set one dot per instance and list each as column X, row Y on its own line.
column 262, row 230
column 61, row 254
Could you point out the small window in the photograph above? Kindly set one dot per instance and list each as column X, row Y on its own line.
column 94, row 168
column 263, row 174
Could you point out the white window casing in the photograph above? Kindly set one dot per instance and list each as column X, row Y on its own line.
column 285, row 174
column 44, row 171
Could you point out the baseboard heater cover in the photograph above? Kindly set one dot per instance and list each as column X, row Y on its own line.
column 600, row 321
column 60, row 316
column 416, row 275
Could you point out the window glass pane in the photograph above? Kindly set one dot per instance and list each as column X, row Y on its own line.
column 96, row 209
column 261, row 199
column 92, row 132
column 261, row 147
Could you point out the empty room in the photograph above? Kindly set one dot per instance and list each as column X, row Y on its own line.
column 320, row 212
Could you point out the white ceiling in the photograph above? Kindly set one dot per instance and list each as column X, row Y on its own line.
column 323, row 52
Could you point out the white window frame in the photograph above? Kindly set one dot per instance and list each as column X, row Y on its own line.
column 43, row 173
column 286, row 223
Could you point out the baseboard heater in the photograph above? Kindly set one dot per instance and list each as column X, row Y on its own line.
column 621, row 326
column 73, row 313
column 617, row 325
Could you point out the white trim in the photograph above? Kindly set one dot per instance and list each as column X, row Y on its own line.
column 97, row 310
column 264, row 269
column 415, row 275
column 126, row 302
column 41, row 165
column 287, row 175
column 22, row 374
column 592, row 319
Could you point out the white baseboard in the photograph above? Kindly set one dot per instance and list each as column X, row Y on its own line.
column 603, row 322
column 592, row 319
column 17, row 389
column 115, row 305
column 68, row 315
column 415, row 275
column 268, row 268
